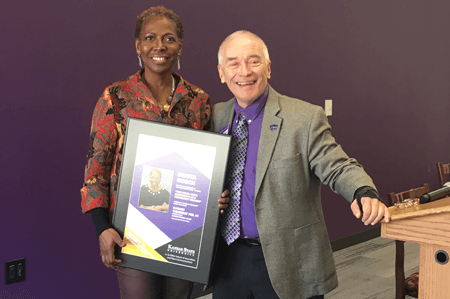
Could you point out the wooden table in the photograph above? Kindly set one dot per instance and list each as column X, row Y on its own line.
column 429, row 225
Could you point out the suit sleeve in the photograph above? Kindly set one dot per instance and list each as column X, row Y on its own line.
column 330, row 163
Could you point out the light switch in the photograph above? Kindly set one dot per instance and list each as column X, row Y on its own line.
column 328, row 107
column 19, row 270
column 12, row 272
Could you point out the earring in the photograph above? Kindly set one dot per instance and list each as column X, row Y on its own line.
column 140, row 61
column 179, row 63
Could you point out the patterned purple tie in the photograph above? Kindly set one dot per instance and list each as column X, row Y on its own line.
column 230, row 225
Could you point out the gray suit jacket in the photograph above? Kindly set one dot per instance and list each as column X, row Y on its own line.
column 296, row 154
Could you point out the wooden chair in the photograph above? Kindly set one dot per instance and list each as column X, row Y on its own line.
column 400, row 287
column 443, row 169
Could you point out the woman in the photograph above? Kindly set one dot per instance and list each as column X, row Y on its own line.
column 154, row 93
column 153, row 196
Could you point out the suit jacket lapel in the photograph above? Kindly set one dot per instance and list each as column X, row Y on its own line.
column 270, row 130
column 226, row 118
column 230, row 108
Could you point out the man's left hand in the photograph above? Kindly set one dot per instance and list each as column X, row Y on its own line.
column 224, row 200
column 374, row 210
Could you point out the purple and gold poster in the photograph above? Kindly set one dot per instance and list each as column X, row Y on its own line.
column 164, row 209
column 168, row 199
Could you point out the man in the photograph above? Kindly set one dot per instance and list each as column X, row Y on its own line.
column 282, row 248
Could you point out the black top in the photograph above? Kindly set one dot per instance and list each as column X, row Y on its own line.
column 149, row 198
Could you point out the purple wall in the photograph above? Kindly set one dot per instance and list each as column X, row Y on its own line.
column 385, row 63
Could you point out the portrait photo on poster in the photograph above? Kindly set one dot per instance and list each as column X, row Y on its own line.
column 155, row 189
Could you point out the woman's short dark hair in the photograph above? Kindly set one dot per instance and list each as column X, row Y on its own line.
column 158, row 11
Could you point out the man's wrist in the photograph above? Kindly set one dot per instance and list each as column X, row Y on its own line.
column 365, row 191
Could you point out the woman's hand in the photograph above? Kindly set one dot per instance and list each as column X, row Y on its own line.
column 108, row 239
column 223, row 201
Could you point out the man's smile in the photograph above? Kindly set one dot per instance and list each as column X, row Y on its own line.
column 246, row 83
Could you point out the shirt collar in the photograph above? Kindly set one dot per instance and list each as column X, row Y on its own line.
column 252, row 111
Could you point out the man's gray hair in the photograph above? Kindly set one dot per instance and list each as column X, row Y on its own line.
column 243, row 32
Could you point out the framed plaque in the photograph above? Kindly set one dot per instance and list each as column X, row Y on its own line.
column 166, row 207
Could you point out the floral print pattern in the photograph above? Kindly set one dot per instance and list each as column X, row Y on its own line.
column 190, row 107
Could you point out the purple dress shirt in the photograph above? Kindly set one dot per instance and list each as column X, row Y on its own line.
column 254, row 116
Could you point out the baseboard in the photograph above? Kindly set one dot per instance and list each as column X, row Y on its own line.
column 356, row 239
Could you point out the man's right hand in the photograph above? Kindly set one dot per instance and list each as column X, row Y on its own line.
column 108, row 239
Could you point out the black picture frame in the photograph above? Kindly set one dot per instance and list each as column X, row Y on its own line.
column 178, row 242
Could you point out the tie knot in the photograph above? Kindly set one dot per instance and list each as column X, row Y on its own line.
column 241, row 129
column 241, row 117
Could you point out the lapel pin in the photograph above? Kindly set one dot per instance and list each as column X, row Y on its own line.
column 224, row 130
column 273, row 127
